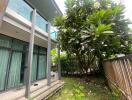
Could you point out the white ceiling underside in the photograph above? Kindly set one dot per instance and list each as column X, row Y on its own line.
column 47, row 8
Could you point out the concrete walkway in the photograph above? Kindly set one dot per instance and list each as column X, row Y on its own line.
column 39, row 90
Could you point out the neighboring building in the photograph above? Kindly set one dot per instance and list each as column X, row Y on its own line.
column 26, row 23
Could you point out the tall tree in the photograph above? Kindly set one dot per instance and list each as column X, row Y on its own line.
column 93, row 29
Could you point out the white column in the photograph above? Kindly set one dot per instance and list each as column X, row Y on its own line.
column 30, row 56
column 49, row 58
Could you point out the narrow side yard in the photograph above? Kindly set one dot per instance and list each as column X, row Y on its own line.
column 77, row 89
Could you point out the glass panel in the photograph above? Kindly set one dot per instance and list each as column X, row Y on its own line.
column 54, row 35
column 4, row 55
column 42, row 50
column 42, row 67
column 21, row 7
column 41, row 22
column 34, row 68
column 5, row 41
column 15, row 69
column 22, row 67
column 35, row 49
column 18, row 45
column 16, row 64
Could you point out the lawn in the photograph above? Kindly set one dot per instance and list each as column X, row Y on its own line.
column 77, row 89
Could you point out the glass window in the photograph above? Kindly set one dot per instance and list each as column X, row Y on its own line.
column 5, row 41
column 34, row 68
column 41, row 22
column 4, row 57
column 13, row 60
column 18, row 45
column 54, row 35
column 15, row 70
column 21, row 7
column 42, row 67
column 42, row 50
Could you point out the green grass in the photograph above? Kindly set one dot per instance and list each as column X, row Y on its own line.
column 76, row 89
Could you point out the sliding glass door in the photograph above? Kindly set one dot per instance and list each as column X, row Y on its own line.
column 42, row 64
column 15, row 70
column 5, row 43
column 16, row 64
column 39, row 64
column 34, row 68
column 4, row 56
column 42, row 67
column 11, row 52
column 12, row 63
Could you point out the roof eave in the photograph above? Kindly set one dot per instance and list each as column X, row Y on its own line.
column 52, row 8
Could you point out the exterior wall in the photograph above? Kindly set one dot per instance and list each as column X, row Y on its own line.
column 25, row 28
column 10, row 30
column 17, row 26
column 23, row 9
column 12, row 62
column 22, row 12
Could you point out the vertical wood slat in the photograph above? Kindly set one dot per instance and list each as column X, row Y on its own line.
column 128, row 79
column 128, row 72
column 124, row 78
column 116, row 73
column 111, row 72
column 123, row 86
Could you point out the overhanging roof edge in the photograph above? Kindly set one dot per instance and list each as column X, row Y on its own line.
column 48, row 16
column 54, row 3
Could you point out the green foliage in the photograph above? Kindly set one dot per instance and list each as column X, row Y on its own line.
column 93, row 29
column 54, row 53
column 70, row 3
column 68, row 63
column 69, row 66
column 78, row 92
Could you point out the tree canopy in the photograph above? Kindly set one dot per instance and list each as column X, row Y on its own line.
column 93, row 28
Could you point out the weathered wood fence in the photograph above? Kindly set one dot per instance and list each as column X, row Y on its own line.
column 119, row 75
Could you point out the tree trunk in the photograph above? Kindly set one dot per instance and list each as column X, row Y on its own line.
column 101, row 69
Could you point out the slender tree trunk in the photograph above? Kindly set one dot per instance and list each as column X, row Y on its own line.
column 101, row 70
column 81, row 65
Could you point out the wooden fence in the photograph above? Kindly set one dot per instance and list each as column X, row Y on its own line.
column 119, row 75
